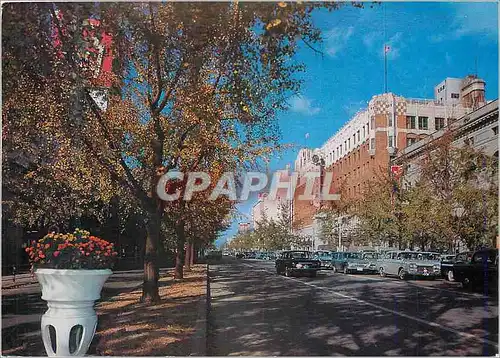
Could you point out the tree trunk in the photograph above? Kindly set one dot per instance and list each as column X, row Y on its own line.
column 151, row 273
column 187, row 261
column 179, row 262
column 191, row 256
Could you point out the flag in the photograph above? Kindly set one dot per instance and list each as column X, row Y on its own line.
column 307, row 135
column 386, row 48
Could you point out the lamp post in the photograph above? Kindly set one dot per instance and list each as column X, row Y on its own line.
column 317, row 160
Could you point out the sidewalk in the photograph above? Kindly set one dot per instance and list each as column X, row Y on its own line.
column 22, row 309
column 174, row 327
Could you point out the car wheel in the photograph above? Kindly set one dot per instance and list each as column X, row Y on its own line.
column 288, row 272
column 381, row 272
column 334, row 269
column 346, row 270
column 449, row 276
column 402, row 274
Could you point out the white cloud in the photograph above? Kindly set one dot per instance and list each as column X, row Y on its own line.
column 336, row 39
column 303, row 105
column 394, row 43
column 471, row 19
column 371, row 38
column 375, row 41
column 477, row 19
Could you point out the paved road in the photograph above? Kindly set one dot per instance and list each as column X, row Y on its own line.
column 256, row 312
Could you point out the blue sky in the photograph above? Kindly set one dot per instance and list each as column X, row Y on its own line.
column 428, row 42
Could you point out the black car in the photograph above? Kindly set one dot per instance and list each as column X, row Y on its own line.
column 240, row 255
column 447, row 262
column 480, row 272
column 297, row 262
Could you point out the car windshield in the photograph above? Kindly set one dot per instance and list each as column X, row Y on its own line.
column 428, row 256
column 369, row 255
column 324, row 255
column 353, row 255
column 419, row 256
column 300, row 254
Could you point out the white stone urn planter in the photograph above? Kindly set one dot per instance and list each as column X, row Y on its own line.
column 69, row 324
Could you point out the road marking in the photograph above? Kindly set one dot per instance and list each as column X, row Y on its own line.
column 401, row 283
column 432, row 324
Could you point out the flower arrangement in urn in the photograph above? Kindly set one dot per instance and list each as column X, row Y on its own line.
column 72, row 269
column 78, row 250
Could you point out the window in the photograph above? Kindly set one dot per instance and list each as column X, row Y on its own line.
column 390, row 120
column 372, row 143
column 358, row 137
column 455, row 95
column 391, row 141
column 354, row 139
column 364, row 132
column 373, row 123
column 349, row 143
column 411, row 141
column 439, row 123
column 345, row 145
column 422, row 122
column 495, row 130
column 368, row 126
column 410, row 122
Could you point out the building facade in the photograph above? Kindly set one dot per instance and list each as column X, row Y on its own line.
column 369, row 142
column 478, row 129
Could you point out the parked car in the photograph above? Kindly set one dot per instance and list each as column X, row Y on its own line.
column 447, row 262
column 260, row 255
column 293, row 262
column 348, row 262
column 372, row 258
column 481, row 270
column 325, row 257
column 406, row 264
column 240, row 255
column 213, row 255
column 250, row 255
column 270, row 256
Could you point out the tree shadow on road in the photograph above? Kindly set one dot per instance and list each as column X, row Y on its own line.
column 258, row 313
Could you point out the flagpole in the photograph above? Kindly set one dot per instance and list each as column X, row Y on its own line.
column 385, row 68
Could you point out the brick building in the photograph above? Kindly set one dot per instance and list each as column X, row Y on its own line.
column 368, row 142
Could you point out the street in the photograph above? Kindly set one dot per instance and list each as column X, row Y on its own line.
column 254, row 311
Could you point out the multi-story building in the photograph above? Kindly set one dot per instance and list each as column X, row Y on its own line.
column 243, row 227
column 478, row 129
column 273, row 209
column 368, row 142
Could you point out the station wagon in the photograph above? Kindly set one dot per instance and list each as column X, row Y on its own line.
column 406, row 264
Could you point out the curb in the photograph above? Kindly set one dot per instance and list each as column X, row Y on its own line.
column 199, row 338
